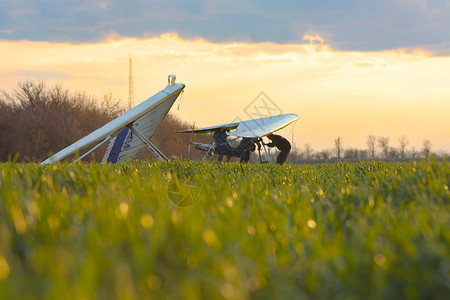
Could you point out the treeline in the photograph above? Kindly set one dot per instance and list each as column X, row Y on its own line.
column 37, row 120
column 377, row 148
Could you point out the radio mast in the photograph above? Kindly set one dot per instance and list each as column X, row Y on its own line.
column 130, row 87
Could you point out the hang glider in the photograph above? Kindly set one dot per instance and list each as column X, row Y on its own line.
column 254, row 128
column 130, row 132
column 251, row 132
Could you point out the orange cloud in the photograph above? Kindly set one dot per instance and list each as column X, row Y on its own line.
column 313, row 38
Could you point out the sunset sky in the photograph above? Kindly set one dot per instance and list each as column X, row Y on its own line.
column 347, row 68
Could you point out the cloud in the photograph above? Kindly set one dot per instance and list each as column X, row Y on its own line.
column 313, row 38
column 361, row 25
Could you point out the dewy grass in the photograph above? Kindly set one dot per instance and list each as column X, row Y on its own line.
column 189, row 230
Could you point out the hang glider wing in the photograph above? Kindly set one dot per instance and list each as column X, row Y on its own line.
column 126, row 144
column 130, row 132
column 252, row 128
column 229, row 126
column 262, row 127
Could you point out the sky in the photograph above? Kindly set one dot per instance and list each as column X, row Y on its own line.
column 347, row 68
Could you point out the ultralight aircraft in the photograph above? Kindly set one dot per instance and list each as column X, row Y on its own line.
column 251, row 133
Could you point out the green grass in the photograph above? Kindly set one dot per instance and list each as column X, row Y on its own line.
column 188, row 230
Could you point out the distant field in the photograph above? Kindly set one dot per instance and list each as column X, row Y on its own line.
column 368, row 230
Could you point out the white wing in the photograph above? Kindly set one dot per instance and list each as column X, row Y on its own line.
column 150, row 114
column 124, row 146
column 228, row 126
column 264, row 126
column 251, row 128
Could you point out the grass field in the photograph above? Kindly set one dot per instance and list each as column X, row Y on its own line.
column 188, row 230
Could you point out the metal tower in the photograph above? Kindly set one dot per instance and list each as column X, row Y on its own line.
column 130, row 87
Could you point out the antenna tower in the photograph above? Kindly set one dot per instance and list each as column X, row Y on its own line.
column 130, row 87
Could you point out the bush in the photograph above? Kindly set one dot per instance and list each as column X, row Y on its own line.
column 37, row 120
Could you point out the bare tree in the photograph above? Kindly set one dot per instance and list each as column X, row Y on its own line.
column 413, row 152
column 371, row 143
column 383, row 142
column 38, row 120
column 403, row 140
column 338, row 146
column 324, row 154
column 351, row 153
column 363, row 154
column 426, row 147
column 308, row 151
column 393, row 152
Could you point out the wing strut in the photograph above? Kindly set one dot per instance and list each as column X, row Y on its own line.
column 210, row 149
column 155, row 151
column 268, row 156
column 87, row 153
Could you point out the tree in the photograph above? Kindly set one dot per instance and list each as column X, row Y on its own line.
column 403, row 141
column 37, row 120
column 324, row 154
column 308, row 151
column 351, row 153
column 413, row 152
column 426, row 147
column 393, row 152
column 371, row 143
column 338, row 146
column 383, row 142
column 363, row 154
